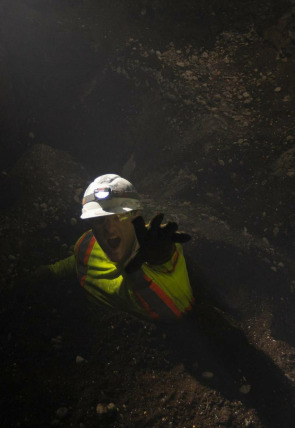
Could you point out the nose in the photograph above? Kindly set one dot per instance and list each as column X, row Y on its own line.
column 108, row 223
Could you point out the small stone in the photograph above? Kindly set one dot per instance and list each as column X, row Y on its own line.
column 289, row 138
column 180, row 64
column 205, row 55
column 73, row 221
column 101, row 409
column 221, row 162
column 55, row 340
column 80, row 359
column 208, row 375
column 245, row 389
column 273, row 268
column 278, row 89
column 62, row 412
column 249, row 422
column 170, row 97
column 111, row 407
column 281, row 264
column 246, row 95
column 275, row 231
column 266, row 241
column 79, row 191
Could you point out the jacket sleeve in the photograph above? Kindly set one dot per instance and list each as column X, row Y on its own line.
column 65, row 268
column 164, row 291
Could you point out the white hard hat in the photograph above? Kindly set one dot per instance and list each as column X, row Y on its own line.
column 109, row 194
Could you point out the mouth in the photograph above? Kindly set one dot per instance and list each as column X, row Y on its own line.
column 114, row 243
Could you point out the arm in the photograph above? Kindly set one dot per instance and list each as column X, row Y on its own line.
column 65, row 268
column 158, row 271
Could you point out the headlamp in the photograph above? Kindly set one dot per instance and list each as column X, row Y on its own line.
column 103, row 193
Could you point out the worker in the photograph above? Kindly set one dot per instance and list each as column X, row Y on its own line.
column 123, row 263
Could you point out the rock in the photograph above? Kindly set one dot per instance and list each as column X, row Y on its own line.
column 62, row 412
column 170, row 97
column 266, row 241
column 80, row 359
column 207, row 375
column 245, row 389
column 278, row 89
column 101, row 409
column 180, row 64
column 249, row 422
column 111, row 407
column 281, row 264
column 221, row 162
column 275, row 231
column 79, row 191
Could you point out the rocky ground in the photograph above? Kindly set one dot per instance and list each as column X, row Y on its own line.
column 205, row 119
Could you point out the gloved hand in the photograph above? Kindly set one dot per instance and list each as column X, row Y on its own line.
column 157, row 243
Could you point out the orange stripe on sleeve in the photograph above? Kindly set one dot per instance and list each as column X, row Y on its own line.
column 80, row 242
column 150, row 312
column 88, row 251
column 166, row 299
column 175, row 259
column 82, row 280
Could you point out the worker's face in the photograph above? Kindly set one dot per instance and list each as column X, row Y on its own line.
column 115, row 234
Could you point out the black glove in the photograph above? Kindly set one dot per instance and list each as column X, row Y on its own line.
column 157, row 243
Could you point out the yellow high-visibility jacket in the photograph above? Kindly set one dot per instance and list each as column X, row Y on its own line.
column 158, row 292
